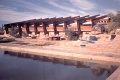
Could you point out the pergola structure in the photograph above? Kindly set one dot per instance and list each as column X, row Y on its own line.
column 55, row 22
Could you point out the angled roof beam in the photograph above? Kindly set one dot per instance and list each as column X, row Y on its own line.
column 76, row 17
column 67, row 18
column 79, row 22
column 101, row 17
column 45, row 20
column 57, row 20
column 30, row 21
column 83, row 17
column 92, row 17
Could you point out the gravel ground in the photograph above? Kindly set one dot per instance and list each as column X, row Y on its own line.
column 101, row 48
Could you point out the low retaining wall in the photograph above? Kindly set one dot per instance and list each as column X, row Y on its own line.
column 115, row 75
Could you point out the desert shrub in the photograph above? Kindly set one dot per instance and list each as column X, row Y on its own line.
column 112, row 26
column 14, row 32
column 24, row 34
column 114, row 23
column 71, row 35
column 99, row 28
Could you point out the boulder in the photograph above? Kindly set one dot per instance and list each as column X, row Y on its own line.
column 117, row 32
column 98, row 28
column 92, row 38
column 5, row 39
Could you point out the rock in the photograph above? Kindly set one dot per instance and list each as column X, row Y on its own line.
column 82, row 45
column 117, row 32
column 92, row 38
column 2, row 40
column 99, row 28
column 34, row 37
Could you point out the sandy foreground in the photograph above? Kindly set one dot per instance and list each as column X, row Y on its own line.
column 102, row 51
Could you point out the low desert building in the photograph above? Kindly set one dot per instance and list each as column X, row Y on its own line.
column 56, row 26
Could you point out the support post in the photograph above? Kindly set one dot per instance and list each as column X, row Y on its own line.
column 20, row 30
column 2, row 26
column 6, row 29
column 55, row 28
column 79, row 29
column 35, row 29
column 44, row 28
column 65, row 25
column 12, row 27
column 93, row 23
column 27, row 28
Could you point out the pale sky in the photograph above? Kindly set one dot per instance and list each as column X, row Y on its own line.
column 20, row 10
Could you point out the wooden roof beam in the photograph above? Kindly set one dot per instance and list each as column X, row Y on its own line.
column 83, row 17
column 92, row 17
column 75, row 17
column 101, row 17
column 67, row 18
column 56, row 20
